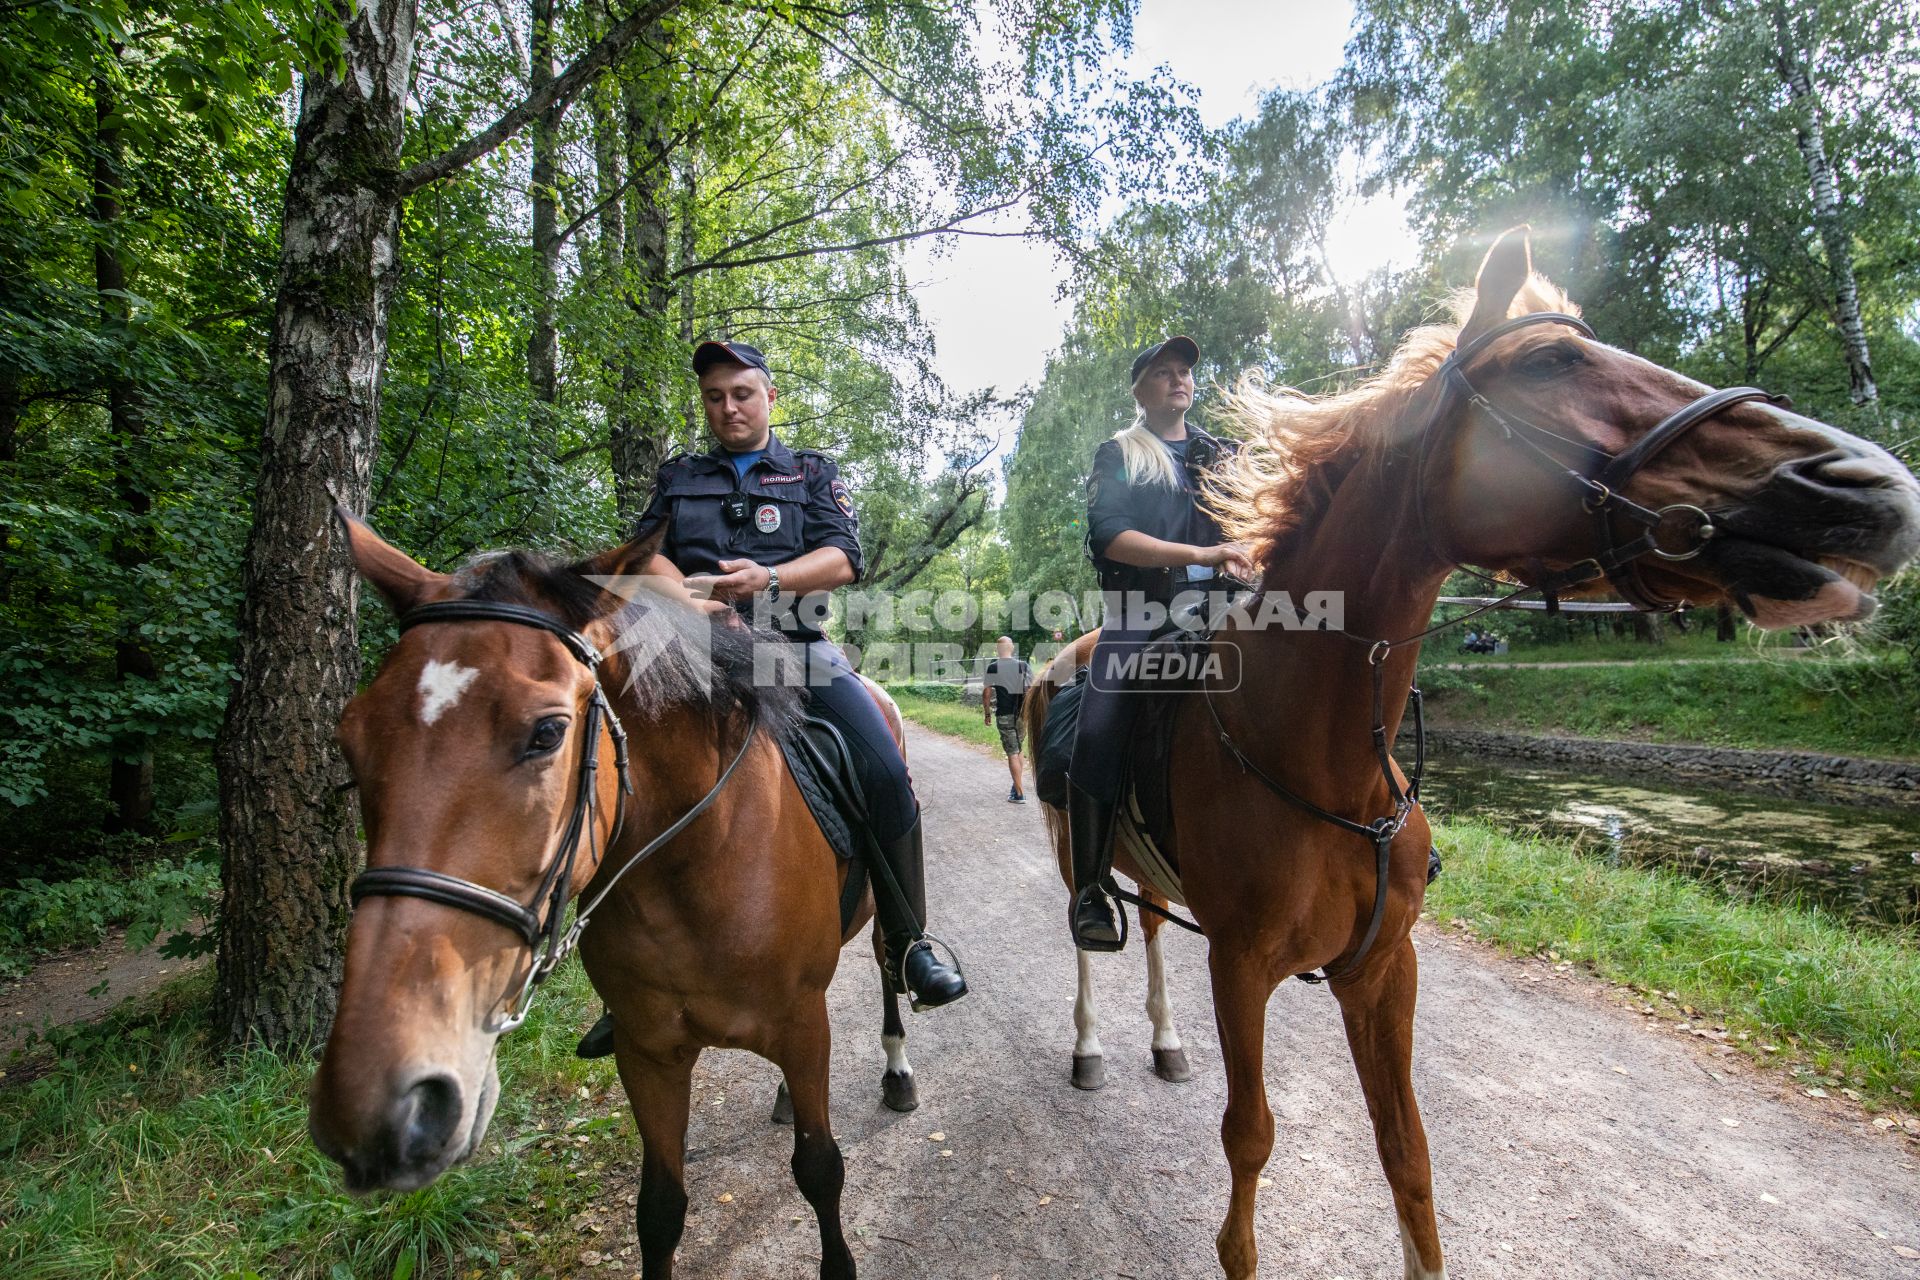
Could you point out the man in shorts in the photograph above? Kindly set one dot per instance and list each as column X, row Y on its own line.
column 1003, row 688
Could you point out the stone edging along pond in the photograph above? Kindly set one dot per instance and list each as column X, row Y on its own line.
column 1802, row 775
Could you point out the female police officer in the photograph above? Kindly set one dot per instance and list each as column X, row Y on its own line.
column 1151, row 540
column 754, row 517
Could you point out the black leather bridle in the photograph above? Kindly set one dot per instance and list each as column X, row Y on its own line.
column 542, row 923
column 1601, row 476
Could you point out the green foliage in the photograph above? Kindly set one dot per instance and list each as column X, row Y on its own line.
column 37, row 916
column 1653, row 149
column 1780, row 975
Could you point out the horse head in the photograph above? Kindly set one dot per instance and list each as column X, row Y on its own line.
column 484, row 756
column 1561, row 460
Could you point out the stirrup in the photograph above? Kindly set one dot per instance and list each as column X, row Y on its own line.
column 897, row 973
column 1104, row 887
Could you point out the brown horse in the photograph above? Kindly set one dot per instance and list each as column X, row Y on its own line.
column 1523, row 444
column 490, row 752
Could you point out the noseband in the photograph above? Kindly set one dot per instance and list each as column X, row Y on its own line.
column 1601, row 476
column 539, row 924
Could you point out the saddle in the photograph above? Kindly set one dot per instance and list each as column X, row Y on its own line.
column 821, row 764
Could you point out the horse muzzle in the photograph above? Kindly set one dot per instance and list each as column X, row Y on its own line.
column 1810, row 544
column 403, row 1137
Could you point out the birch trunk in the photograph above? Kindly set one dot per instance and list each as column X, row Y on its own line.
column 287, row 830
column 1828, row 217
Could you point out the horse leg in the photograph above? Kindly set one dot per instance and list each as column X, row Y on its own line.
column 659, row 1091
column 897, row 1087
column 1240, row 994
column 1378, row 1010
column 1169, row 1055
column 818, row 1170
column 1089, row 1068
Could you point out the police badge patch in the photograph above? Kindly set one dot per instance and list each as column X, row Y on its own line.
column 842, row 498
column 767, row 518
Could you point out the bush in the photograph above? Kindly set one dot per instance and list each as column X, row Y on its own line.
column 38, row 916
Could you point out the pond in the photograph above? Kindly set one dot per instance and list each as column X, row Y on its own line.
column 1860, row 863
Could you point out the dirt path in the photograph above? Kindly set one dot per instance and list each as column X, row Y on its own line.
column 81, row 985
column 1570, row 1139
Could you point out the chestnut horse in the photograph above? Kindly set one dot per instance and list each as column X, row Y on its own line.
column 491, row 757
column 1518, row 441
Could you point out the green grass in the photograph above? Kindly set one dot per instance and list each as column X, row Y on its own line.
column 1839, row 1002
column 1806, row 703
column 958, row 719
column 144, row 1151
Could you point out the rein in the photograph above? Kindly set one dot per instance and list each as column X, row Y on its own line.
column 1601, row 476
column 539, row 924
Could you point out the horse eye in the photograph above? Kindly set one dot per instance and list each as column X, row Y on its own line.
column 1547, row 362
column 547, row 737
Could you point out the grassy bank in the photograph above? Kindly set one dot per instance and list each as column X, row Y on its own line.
column 1805, row 704
column 145, row 1152
column 1839, row 1002
column 945, row 713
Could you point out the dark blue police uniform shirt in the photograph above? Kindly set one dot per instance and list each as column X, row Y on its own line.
column 795, row 503
column 1115, row 504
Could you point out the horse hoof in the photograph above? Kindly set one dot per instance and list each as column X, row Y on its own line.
column 783, row 1105
column 1171, row 1065
column 899, row 1091
column 1089, row 1073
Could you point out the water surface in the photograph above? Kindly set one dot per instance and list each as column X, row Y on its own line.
column 1860, row 863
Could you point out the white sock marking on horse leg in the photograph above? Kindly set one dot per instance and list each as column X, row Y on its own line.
column 1159, row 1007
column 441, row 684
column 896, row 1047
column 1417, row 1270
column 1087, row 1045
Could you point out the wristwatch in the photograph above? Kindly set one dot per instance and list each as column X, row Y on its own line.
column 773, row 583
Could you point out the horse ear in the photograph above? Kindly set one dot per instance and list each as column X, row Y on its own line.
column 628, row 560
column 401, row 580
column 1505, row 272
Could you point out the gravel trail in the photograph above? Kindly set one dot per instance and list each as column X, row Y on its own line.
column 1571, row 1137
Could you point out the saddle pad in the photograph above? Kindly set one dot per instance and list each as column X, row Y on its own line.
column 822, row 768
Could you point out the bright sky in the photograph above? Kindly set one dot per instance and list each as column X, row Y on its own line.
column 992, row 304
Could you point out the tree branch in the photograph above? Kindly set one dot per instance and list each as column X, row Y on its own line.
column 555, row 95
column 955, row 225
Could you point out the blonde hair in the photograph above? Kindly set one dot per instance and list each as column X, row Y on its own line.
column 1144, row 457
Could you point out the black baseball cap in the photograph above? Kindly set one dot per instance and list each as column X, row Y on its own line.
column 709, row 354
column 1183, row 347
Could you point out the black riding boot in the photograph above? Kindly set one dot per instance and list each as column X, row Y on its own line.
column 598, row 1042
column 1091, row 917
column 930, row 983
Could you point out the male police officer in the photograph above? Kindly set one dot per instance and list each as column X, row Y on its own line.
column 756, row 519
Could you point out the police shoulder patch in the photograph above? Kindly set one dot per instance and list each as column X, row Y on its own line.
column 841, row 498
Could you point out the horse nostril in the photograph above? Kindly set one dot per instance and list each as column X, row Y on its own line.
column 1852, row 471
column 424, row 1119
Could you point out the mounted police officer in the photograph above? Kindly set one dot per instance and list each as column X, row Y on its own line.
column 1152, row 541
column 754, row 520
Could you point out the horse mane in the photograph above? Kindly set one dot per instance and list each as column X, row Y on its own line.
column 1296, row 448
column 675, row 656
